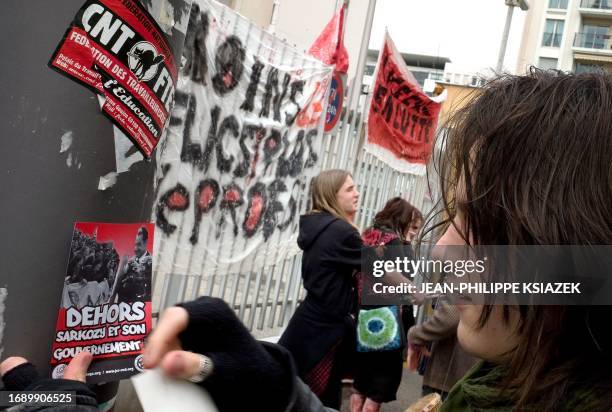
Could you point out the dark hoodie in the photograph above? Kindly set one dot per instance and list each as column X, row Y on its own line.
column 332, row 252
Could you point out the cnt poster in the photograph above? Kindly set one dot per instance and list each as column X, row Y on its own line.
column 106, row 300
column 116, row 48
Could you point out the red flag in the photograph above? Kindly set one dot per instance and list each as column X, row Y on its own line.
column 402, row 120
column 329, row 46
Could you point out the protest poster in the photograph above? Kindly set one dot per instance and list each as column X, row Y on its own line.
column 336, row 102
column 245, row 139
column 106, row 300
column 329, row 48
column 402, row 119
column 116, row 48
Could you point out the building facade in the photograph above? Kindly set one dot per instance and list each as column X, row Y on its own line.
column 300, row 22
column 423, row 67
column 568, row 35
column 457, row 75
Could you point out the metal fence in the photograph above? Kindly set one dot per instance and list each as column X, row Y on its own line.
column 265, row 298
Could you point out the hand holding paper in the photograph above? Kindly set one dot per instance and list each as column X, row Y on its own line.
column 164, row 348
column 208, row 326
column 159, row 393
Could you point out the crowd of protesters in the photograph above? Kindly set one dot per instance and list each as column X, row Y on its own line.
column 91, row 259
column 92, row 267
column 527, row 162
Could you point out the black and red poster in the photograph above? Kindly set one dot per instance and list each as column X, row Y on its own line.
column 106, row 300
column 118, row 50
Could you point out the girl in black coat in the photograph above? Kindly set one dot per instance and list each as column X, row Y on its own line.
column 378, row 372
column 320, row 335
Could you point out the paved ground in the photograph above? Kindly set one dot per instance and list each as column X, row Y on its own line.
column 409, row 392
column 127, row 401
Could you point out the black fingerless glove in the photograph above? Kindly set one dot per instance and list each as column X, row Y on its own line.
column 245, row 376
column 25, row 377
column 20, row 377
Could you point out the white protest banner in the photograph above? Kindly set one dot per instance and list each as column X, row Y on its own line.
column 245, row 139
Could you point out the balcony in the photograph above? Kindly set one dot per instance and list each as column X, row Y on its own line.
column 596, row 8
column 593, row 47
column 593, row 41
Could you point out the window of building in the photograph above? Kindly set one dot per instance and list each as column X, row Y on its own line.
column 476, row 81
column 553, row 32
column 369, row 69
column 594, row 36
column 557, row 4
column 596, row 4
column 420, row 77
column 546, row 63
column 587, row 68
column 435, row 75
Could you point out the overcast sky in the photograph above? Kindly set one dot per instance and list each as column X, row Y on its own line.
column 468, row 32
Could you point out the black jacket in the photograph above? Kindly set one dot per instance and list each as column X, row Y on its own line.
column 332, row 252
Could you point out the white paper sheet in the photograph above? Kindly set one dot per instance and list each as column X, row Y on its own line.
column 159, row 393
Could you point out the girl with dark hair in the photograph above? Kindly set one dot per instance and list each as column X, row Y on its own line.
column 398, row 217
column 529, row 162
column 378, row 370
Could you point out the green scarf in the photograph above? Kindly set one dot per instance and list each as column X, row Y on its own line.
column 479, row 391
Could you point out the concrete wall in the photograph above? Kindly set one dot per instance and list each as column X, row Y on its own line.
column 572, row 26
column 458, row 97
column 532, row 36
column 299, row 22
column 258, row 11
column 44, row 191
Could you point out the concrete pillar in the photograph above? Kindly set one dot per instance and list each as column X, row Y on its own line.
column 44, row 191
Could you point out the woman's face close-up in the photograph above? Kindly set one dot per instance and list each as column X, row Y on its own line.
column 348, row 197
column 497, row 338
